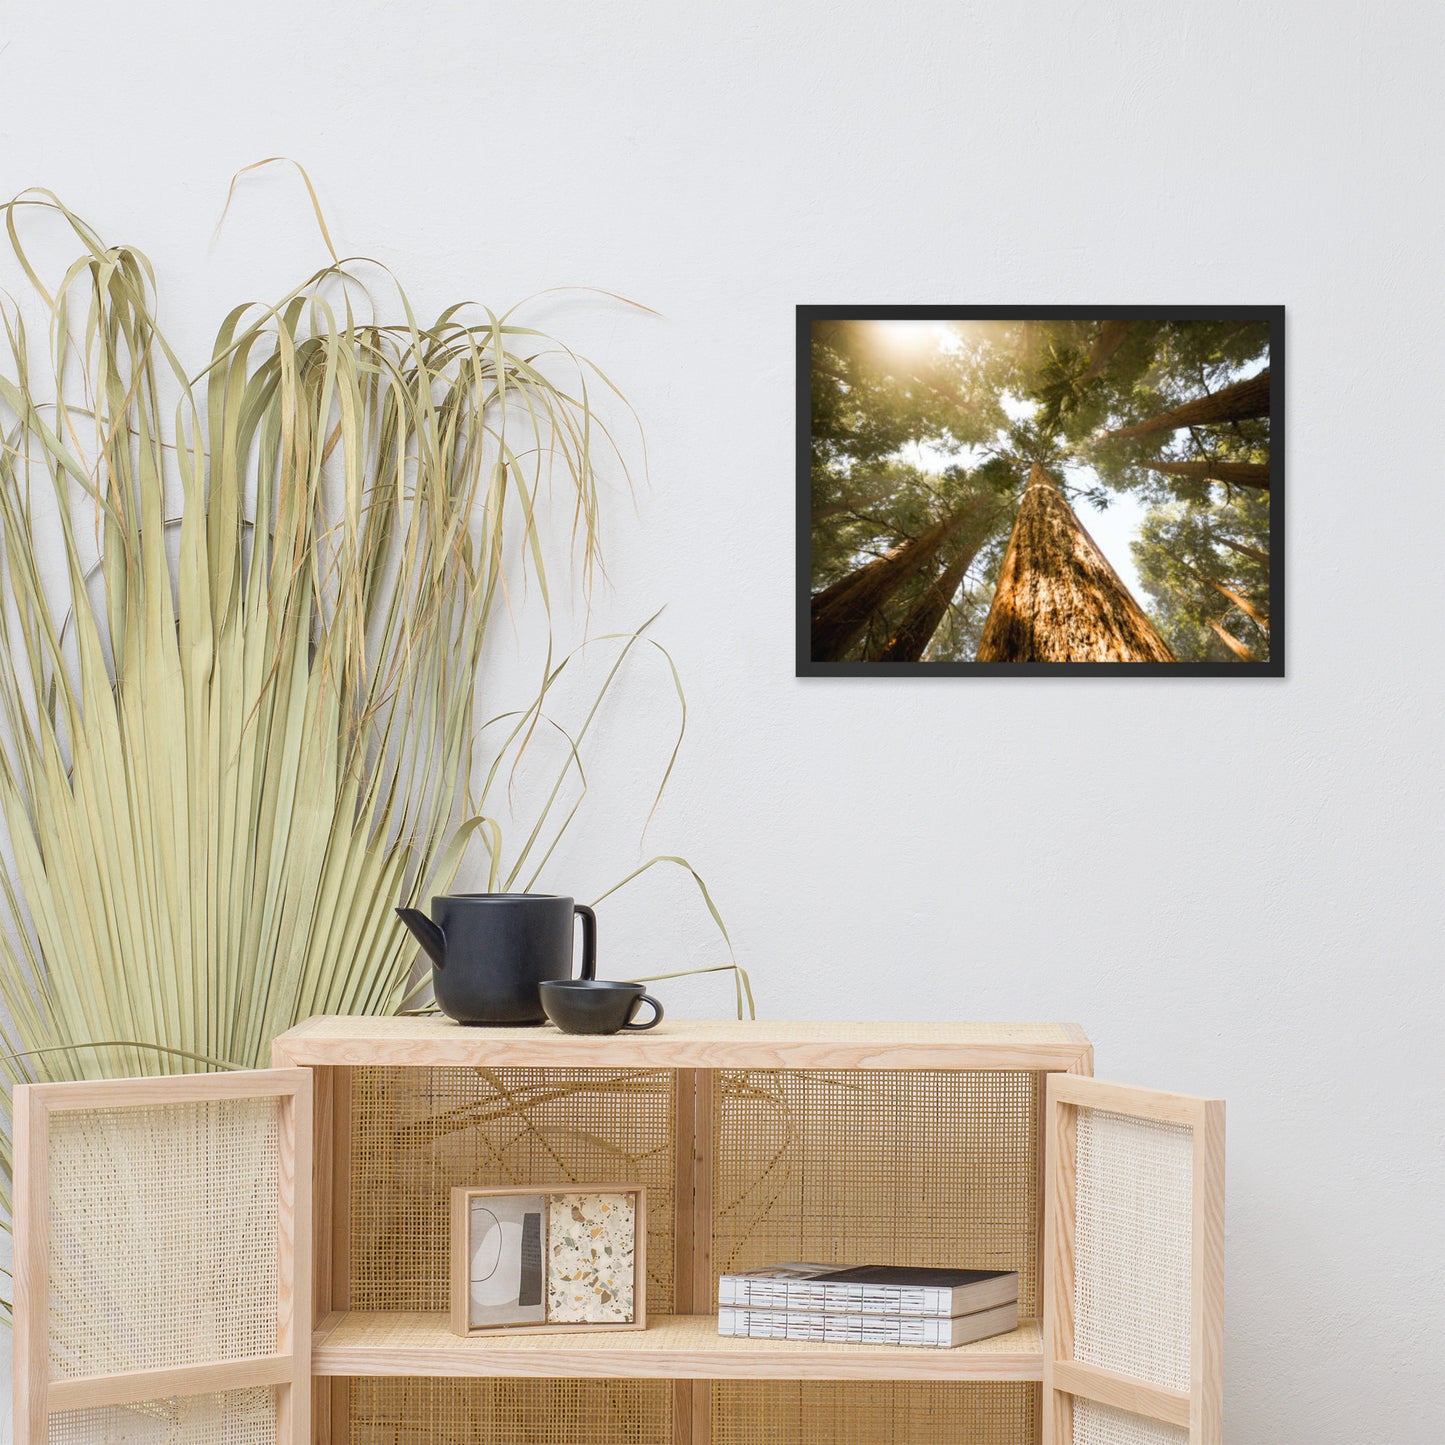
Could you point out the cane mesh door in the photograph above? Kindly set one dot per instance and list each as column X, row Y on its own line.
column 1133, row 1266
column 162, row 1247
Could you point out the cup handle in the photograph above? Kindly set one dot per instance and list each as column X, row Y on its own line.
column 589, row 940
column 653, row 1022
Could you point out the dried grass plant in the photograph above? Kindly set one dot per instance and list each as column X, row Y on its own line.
column 240, row 725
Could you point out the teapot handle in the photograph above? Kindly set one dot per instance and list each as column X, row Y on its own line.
column 589, row 940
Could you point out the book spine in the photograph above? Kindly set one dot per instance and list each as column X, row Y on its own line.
column 834, row 1328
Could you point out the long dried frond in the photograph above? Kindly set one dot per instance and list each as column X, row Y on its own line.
column 242, row 615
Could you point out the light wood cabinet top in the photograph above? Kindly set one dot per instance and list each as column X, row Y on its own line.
column 432, row 1040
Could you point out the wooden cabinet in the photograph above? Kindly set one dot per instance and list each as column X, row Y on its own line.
column 983, row 1144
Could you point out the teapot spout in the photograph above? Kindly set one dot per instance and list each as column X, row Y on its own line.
column 426, row 933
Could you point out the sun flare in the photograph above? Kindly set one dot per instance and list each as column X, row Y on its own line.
column 917, row 336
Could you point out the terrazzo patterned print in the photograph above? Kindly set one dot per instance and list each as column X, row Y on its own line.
column 591, row 1240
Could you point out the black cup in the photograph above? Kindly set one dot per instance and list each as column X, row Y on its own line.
column 595, row 1006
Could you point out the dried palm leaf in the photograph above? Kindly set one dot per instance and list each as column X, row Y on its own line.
column 240, row 726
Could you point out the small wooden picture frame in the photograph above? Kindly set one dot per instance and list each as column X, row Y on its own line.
column 548, row 1258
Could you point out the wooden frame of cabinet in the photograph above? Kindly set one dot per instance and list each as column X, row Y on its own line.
column 682, row 1347
column 1199, row 1409
column 39, row 1392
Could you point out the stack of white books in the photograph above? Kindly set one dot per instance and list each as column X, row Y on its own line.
column 871, row 1304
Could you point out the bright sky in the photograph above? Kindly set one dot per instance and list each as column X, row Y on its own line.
column 1114, row 528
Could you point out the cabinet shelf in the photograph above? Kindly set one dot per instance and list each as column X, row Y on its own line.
column 672, row 1347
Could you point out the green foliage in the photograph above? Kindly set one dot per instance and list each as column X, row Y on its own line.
column 1168, row 364
column 879, row 386
column 910, row 420
column 992, row 491
column 845, row 540
column 957, row 637
column 1158, row 365
column 1024, row 444
column 1182, row 548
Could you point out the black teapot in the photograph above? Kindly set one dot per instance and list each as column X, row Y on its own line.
column 491, row 951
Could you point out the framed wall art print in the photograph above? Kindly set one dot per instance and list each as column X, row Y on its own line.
column 1024, row 490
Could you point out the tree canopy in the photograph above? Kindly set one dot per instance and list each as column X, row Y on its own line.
column 925, row 436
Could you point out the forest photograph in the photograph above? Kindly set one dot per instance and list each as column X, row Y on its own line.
column 1060, row 490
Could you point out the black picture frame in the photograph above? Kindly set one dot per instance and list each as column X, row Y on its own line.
column 1273, row 667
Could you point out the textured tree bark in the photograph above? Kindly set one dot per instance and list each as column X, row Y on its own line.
column 1239, row 474
column 911, row 640
column 1245, row 399
column 1233, row 643
column 1058, row 599
column 840, row 612
column 1112, row 335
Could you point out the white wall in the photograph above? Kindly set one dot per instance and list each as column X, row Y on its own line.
column 1234, row 886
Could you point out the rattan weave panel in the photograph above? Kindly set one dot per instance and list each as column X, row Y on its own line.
column 418, row 1132
column 163, row 1244
column 1096, row 1424
column 770, row 1412
column 234, row 1417
column 1133, row 1246
column 410, row 1411
column 878, row 1167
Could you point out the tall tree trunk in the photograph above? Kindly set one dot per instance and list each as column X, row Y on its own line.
column 911, row 640
column 1243, row 603
column 1228, row 593
column 841, row 612
column 1112, row 335
column 1232, row 642
column 1239, row 474
column 1243, row 550
column 1245, row 399
column 1058, row 599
